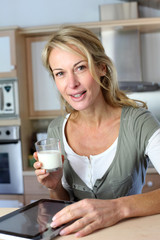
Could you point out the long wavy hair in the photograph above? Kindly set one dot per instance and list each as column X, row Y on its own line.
column 90, row 47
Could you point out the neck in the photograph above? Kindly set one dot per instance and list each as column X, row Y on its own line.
column 96, row 115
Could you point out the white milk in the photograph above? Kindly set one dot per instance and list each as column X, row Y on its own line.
column 50, row 159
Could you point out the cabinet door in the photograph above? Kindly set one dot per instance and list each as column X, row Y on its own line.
column 152, row 182
column 11, row 201
column 7, row 54
column 33, row 190
column 44, row 99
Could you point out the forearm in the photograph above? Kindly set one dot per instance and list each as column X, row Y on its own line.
column 140, row 205
column 59, row 193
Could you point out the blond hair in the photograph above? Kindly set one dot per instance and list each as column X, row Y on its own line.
column 90, row 47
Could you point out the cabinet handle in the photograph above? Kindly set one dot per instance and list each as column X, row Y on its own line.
column 12, row 67
column 149, row 183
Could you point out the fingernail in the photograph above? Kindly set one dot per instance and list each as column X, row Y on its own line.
column 53, row 225
column 77, row 234
column 43, row 171
column 62, row 232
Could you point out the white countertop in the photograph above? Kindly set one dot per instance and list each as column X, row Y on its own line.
column 142, row 228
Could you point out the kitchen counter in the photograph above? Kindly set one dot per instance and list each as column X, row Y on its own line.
column 30, row 171
column 143, row 228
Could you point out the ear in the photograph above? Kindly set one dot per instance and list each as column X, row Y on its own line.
column 102, row 70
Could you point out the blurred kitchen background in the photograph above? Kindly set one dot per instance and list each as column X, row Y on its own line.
column 130, row 33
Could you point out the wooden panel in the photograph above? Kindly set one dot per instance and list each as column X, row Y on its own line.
column 142, row 24
column 152, row 182
column 13, row 197
column 20, row 198
column 32, row 186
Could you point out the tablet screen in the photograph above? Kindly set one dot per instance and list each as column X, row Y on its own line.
column 32, row 220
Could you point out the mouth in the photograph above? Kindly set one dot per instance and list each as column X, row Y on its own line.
column 78, row 95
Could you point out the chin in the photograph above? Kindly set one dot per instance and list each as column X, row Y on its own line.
column 79, row 108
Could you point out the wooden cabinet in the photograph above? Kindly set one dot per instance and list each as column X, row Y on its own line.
column 33, row 190
column 7, row 54
column 152, row 182
column 11, row 200
column 44, row 99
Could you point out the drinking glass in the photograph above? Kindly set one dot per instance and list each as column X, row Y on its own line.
column 49, row 154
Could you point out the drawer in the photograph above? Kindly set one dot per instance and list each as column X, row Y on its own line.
column 32, row 186
column 11, row 200
column 152, row 182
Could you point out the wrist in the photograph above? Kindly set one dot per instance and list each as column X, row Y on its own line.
column 123, row 208
column 57, row 188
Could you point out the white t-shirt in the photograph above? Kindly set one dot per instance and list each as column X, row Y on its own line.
column 93, row 169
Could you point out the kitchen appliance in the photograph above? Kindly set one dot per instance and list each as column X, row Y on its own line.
column 11, row 177
column 147, row 92
column 8, row 98
column 122, row 46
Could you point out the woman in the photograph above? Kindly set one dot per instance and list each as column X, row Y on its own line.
column 107, row 139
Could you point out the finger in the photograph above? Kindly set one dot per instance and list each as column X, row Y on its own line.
column 74, row 227
column 35, row 155
column 41, row 173
column 88, row 229
column 68, row 213
column 37, row 165
column 84, row 226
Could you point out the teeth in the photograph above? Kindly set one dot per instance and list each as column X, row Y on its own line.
column 77, row 95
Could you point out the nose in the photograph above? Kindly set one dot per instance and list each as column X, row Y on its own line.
column 72, row 80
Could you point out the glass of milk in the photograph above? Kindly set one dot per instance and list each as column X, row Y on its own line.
column 49, row 154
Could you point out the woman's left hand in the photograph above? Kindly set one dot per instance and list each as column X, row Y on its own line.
column 90, row 215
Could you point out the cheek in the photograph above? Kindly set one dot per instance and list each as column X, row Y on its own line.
column 59, row 86
column 93, row 84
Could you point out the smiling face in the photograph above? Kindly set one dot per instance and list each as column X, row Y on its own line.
column 73, row 79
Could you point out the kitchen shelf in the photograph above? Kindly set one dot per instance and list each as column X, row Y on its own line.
column 142, row 24
column 10, row 122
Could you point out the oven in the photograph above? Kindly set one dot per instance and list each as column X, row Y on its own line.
column 9, row 98
column 11, row 171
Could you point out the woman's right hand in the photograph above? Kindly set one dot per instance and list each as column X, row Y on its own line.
column 50, row 180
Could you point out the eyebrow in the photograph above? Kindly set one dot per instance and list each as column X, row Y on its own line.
column 59, row 69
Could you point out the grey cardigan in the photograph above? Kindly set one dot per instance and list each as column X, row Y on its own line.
column 126, row 174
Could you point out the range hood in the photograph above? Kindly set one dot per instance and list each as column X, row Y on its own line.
column 139, row 86
column 123, row 47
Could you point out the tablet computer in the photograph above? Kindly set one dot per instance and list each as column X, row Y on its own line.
column 32, row 221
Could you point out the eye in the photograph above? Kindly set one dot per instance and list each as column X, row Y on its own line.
column 59, row 74
column 80, row 68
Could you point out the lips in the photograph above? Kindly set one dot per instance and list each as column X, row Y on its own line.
column 78, row 94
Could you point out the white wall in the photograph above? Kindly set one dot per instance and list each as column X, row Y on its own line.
column 26, row 13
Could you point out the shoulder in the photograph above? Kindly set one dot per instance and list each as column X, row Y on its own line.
column 140, row 121
column 55, row 127
column 128, row 111
column 139, row 115
column 57, row 122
